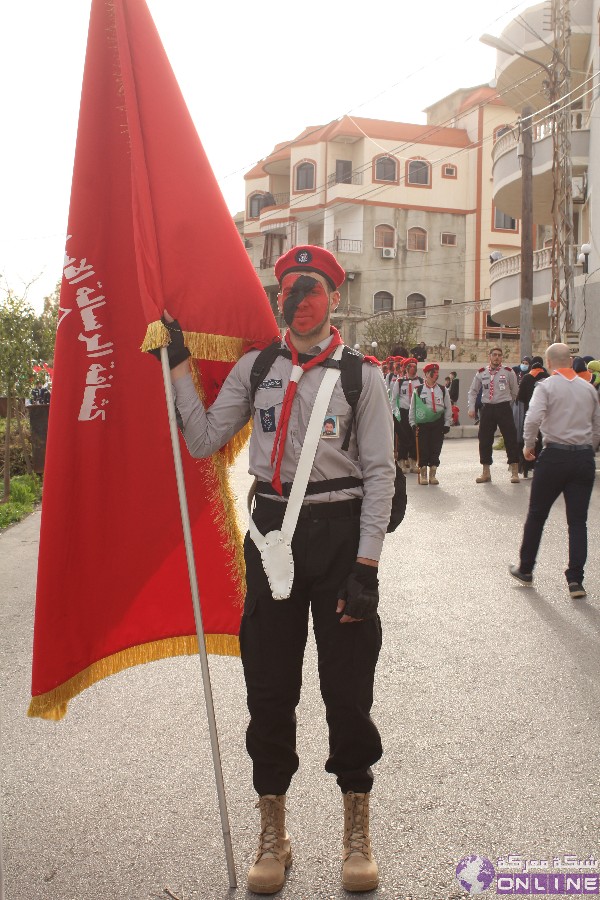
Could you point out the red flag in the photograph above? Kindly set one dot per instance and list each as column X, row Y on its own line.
column 148, row 230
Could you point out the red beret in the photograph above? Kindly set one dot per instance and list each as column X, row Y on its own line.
column 410, row 360
column 431, row 367
column 308, row 258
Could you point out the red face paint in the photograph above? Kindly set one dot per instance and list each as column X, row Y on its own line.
column 304, row 310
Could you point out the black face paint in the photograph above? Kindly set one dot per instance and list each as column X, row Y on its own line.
column 302, row 286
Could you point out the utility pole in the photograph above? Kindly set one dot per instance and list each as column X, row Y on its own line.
column 526, row 307
column 557, row 89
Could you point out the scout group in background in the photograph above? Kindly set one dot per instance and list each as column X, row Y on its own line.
column 422, row 416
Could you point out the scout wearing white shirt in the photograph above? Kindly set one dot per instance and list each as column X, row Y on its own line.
column 499, row 391
column 401, row 398
column 567, row 412
column 430, row 433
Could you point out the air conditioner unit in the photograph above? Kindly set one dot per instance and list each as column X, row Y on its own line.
column 388, row 252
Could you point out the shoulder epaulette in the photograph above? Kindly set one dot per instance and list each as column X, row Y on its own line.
column 482, row 369
column 508, row 368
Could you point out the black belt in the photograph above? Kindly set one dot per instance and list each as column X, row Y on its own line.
column 313, row 487
column 552, row 446
column 338, row 509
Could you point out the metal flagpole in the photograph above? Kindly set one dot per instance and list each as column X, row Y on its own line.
column 189, row 552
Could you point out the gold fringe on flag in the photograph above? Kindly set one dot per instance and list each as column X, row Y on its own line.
column 213, row 347
column 53, row 704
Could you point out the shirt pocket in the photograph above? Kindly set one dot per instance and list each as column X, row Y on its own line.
column 267, row 404
column 341, row 413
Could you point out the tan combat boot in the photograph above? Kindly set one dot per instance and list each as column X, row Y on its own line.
column 485, row 476
column 514, row 473
column 423, row 475
column 432, row 478
column 359, row 872
column 274, row 856
column 413, row 467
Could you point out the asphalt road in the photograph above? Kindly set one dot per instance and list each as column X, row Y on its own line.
column 487, row 699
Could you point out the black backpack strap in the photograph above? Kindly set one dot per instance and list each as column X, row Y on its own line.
column 351, row 365
column 262, row 366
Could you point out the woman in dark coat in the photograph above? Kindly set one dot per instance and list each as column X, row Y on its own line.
column 536, row 373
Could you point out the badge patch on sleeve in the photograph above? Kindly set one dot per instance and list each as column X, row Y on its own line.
column 267, row 419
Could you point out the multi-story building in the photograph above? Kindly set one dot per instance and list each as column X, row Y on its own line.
column 426, row 218
column 551, row 64
column 403, row 207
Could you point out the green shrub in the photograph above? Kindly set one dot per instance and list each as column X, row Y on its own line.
column 25, row 491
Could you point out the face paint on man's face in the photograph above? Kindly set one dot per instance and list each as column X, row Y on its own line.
column 304, row 303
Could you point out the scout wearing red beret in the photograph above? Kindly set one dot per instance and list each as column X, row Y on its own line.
column 309, row 258
column 431, row 367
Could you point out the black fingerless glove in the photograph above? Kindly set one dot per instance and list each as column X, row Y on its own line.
column 446, row 429
column 361, row 592
column 176, row 350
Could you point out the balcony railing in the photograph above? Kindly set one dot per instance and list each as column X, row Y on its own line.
column 542, row 259
column 540, row 130
column 280, row 199
column 343, row 245
column 353, row 178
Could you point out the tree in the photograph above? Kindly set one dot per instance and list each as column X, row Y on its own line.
column 389, row 330
column 44, row 327
column 17, row 351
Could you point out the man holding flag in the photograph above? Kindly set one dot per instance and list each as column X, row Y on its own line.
column 336, row 547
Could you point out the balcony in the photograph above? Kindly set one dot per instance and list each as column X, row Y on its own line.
column 352, row 178
column 505, row 286
column 344, row 245
column 529, row 33
column 275, row 217
column 507, row 169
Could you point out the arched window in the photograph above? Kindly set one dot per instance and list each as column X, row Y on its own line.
column 383, row 301
column 500, row 130
column 415, row 304
column 385, row 236
column 416, row 239
column 305, row 176
column 255, row 202
column 418, row 172
column 386, row 169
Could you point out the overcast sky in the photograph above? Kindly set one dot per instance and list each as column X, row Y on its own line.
column 252, row 74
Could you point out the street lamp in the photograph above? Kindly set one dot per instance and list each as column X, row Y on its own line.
column 452, row 349
column 586, row 249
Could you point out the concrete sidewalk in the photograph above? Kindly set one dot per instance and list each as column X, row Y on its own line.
column 487, row 699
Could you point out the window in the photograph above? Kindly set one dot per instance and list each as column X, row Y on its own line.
column 500, row 130
column 386, row 169
column 416, row 239
column 383, row 302
column 449, row 171
column 343, row 171
column 417, row 172
column 502, row 222
column 385, row 236
column 254, row 206
column 448, row 239
column 305, row 177
column 415, row 304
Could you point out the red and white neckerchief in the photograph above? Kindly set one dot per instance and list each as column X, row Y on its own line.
column 432, row 396
column 492, row 373
column 286, row 409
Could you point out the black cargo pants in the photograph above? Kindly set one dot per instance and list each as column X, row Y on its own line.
column 273, row 637
column 491, row 417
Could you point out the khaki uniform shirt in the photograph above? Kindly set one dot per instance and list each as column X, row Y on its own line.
column 566, row 410
column 506, row 386
column 370, row 455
